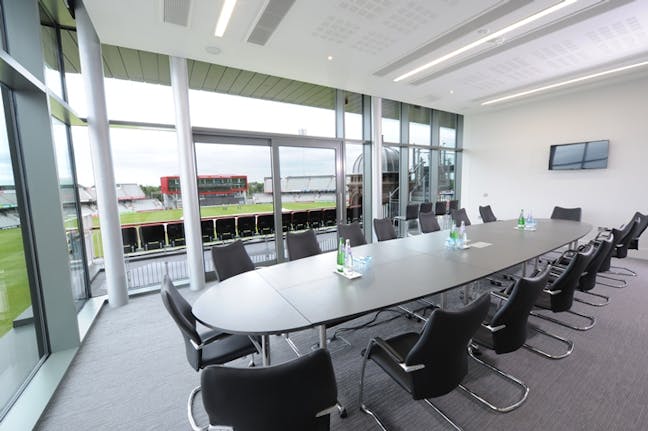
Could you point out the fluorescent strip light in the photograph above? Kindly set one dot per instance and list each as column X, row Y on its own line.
column 487, row 38
column 223, row 19
column 563, row 83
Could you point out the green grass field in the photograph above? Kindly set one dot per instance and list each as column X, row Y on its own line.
column 14, row 285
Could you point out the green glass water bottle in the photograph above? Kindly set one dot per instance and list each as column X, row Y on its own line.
column 340, row 256
column 520, row 223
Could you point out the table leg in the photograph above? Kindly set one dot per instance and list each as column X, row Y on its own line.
column 466, row 294
column 524, row 269
column 321, row 329
column 444, row 300
column 265, row 350
column 535, row 264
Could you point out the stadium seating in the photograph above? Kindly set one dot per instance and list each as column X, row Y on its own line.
column 176, row 234
column 286, row 219
column 225, row 228
column 152, row 236
column 315, row 218
column 246, row 225
column 265, row 224
column 207, row 230
column 129, row 239
column 299, row 220
column 329, row 217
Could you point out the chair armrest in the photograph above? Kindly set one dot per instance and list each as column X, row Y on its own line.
column 389, row 350
column 326, row 411
column 395, row 356
column 210, row 339
column 493, row 329
column 552, row 292
column 499, row 295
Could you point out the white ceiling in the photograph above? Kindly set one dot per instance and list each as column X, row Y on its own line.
column 374, row 41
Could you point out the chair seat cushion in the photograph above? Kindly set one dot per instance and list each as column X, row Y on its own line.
column 227, row 349
column 402, row 344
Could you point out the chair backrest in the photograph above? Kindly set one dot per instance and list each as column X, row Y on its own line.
column 230, row 260
column 486, row 214
column 302, row 244
column 568, row 280
column 602, row 249
column 440, row 207
column 514, row 313
column 460, row 215
column 428, row 222
column 352, row 232
column 412, row 211
column 443, row 349
column 625, row 236
column 384, row 229
column 453, row 204
column 642, row 223
column 180, row 311
column 560, row 213
column 285, row 397
column 426, row 207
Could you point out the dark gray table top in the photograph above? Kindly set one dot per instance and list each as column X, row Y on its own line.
column 307, row 292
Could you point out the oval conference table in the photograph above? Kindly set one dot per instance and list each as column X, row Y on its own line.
column 308, row 293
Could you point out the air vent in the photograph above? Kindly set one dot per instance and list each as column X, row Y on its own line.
column 268, row 20
column 177, row 12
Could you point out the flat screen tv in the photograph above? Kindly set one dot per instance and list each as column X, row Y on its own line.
column 579, row 155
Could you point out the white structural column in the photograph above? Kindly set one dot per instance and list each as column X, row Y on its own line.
column 376, row 157
column 188, row 185
column 99, row 137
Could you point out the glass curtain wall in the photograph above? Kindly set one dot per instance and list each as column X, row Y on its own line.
column 391, row 157
column 70, row 206
column 19, row 352
column 236, row 198
column 419, row 157
column 354, row 157
column 447, row 159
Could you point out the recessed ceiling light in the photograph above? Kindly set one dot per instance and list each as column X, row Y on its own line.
column 563, row 83
column 213, row 50
column 451, row 91
column 224, row 17
column 330, row 57
column 487, row 38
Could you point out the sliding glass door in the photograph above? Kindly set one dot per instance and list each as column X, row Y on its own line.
column 256, row 188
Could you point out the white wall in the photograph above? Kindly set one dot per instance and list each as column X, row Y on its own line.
column 507, row 153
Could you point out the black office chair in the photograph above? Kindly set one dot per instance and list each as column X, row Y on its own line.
column 621, row 239
column 294, row 396
column 352, row 232
column 560, row 213
column 486, row 214
column 460, row 215
column 587, row 281
column 642, row 224
column 558, row 295
column 428, row 222
column 430, row 363
column 621, row 248
column 505, row 330
column 230, row 260
column 302, row 244
column 384, row 229
column 204, row 347
column 440, row 207
column 426, row 207
column 411, row 214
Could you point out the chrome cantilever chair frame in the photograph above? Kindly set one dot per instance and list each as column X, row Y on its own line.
column 406, row 368
column 591, row 319
column 536, row 350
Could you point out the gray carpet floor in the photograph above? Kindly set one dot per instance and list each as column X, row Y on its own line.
column 131, row 373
